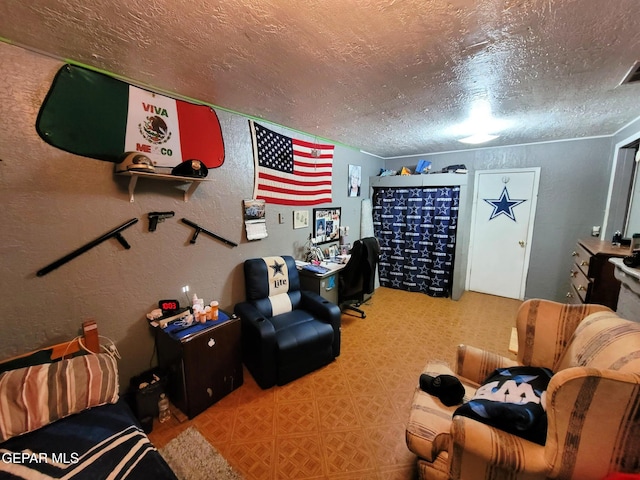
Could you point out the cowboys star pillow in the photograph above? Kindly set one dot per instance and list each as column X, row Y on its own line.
column 512, row 399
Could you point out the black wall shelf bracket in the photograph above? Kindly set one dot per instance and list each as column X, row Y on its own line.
column 113, row 233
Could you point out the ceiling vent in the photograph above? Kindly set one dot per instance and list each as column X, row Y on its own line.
column 633, row 76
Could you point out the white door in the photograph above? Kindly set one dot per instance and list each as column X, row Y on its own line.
column 504, row 207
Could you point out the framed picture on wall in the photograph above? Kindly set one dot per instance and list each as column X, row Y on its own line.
column 355, row 180
column 300, row 218
column 326, row 224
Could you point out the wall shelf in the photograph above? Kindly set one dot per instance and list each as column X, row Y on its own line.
column 134, row 176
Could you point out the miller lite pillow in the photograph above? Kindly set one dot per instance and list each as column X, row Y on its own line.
column 514, row 400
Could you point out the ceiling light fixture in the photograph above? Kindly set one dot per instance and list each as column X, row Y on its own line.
column 480, row 126
column 477, row 138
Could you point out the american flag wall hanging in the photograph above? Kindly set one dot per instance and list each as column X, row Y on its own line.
column 290, row 171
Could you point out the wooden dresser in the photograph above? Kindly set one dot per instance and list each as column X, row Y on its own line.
column 591, row 276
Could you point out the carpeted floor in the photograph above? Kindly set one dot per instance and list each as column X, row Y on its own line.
column 347, row 420
column 191, row 457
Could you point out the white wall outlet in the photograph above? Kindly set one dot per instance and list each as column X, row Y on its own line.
column 280, row 218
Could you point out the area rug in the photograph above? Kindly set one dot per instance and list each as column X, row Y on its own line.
column 191, row 457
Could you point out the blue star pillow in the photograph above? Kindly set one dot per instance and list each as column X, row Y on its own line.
column 514, row 400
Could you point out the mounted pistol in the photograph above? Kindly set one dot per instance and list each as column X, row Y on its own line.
column 155, row 217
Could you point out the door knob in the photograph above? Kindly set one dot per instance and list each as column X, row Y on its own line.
column 521, row 242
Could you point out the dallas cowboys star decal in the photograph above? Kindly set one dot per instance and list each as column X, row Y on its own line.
column 503, row 205
column 277, row 268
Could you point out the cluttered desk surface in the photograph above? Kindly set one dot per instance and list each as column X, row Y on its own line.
column 326, row 267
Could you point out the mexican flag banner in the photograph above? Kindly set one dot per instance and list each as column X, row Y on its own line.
column 92, row 114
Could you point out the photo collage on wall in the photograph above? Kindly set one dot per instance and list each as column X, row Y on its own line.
column 326, row 226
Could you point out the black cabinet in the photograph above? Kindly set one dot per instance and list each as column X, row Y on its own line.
column 203, row 367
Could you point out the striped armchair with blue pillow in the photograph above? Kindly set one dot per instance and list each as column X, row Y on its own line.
column 592, row 403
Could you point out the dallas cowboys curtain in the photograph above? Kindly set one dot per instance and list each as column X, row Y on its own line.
column 416, row 227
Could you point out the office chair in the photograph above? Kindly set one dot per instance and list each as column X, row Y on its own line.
column 357, row 278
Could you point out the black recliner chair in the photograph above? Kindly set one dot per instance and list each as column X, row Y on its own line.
column 357, row 278
column 286, row 332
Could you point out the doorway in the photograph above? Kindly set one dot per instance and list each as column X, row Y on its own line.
column 504, row 206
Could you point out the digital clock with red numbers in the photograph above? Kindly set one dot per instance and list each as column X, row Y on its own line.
column 168, row 306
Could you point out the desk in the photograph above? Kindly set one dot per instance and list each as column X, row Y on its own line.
column 325, row 284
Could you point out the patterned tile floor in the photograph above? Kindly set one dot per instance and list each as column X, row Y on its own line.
column 347, row 420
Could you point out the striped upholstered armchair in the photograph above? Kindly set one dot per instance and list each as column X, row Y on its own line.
column 592, row 402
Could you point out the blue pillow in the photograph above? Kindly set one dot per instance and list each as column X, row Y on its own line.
column 512, row 399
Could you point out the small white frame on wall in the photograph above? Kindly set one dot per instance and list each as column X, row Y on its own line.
column 300, row 219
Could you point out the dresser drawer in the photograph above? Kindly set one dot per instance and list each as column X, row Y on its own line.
column 582, row 258
column 591, row 278
column 580, row 284
column 572, row 296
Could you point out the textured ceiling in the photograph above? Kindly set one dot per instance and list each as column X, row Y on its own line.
column 390, row 77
